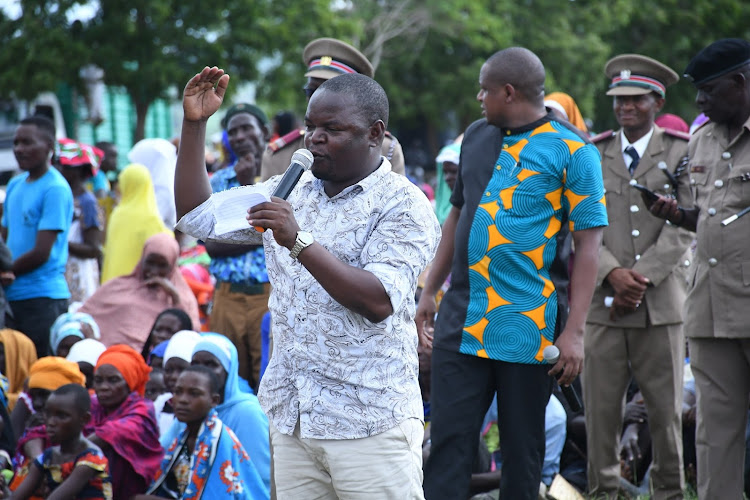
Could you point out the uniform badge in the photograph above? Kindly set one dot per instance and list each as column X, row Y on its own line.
column 326, row 60
column 625, row 74
column 697, row 169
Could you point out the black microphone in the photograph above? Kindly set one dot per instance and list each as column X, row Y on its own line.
column 551, row 355
column 302, row 160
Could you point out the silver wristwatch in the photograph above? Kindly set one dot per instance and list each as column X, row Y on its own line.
column 304, row 240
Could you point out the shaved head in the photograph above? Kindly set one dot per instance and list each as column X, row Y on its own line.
column 519, row 67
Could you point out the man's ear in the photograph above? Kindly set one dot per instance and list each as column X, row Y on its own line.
column 659, row 103
column 510, row 92
column 376, row 133
column 86, row 418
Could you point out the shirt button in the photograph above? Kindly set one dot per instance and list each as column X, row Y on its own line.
column 633, row 182
column 505, row 146
column 487, row 193
column 498, row 167
column 638, row 257
column 711, row 211
column 712, row 262
column 719, row 183
column 726, row 155
column 635, row 233
column 686, row 263
column 667, row 187
column 692, row 181
column 634, row 208
column 662, row 165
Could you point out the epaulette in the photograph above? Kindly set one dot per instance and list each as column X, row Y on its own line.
column 286, row 139
column 676, row 133
column 608, row 134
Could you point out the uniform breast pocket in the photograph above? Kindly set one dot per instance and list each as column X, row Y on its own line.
column 612, row 187
column 741, row 176
column 31, row 217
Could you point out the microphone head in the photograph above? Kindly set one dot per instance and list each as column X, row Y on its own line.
column 303, row 157
column 551, row 354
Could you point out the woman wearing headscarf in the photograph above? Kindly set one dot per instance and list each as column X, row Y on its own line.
column 70, row 328
column 567, row 108
column 159, row 156
column 177, row 357
column 86, row 353
column 126, row 307
column 124, row 424
column 17, row 354
column 239, row 410
column 46, row 375
column 134, row 220
column 166, row 324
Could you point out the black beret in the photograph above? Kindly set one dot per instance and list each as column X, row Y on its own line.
column 245, row 108
column 717, row 59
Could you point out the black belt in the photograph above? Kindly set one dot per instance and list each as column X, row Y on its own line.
column 254, row 289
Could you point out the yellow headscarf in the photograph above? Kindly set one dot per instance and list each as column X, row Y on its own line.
column 133, row 221
column 570, row 107
column 20, row 354
column 52, row 372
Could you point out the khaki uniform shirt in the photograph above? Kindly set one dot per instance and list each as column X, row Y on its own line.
column 276, row 162
column 718, row 303
column 637, row 240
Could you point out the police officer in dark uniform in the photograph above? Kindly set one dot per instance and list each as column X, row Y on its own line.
column 325, row 58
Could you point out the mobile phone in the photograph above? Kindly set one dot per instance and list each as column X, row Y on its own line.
column 648, row 195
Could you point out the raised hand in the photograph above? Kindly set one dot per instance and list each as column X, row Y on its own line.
column 204, row 94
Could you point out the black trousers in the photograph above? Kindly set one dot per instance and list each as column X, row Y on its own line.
column 461, row 392
column 34, row 318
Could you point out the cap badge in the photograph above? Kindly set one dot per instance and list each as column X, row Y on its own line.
column 625, row 74
column 326, row 60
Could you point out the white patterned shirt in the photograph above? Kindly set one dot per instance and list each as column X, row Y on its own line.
column 332, row 370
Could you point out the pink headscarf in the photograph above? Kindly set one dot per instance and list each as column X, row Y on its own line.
column 125, row 308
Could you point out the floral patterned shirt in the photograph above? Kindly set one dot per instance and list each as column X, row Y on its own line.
column 333, row 371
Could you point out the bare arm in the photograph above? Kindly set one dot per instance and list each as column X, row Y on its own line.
column 91, row 246
column 202, row 97
column 71, row 487
column 582, row 284
column 29, row 485
column 36, row 256
column 439, row 270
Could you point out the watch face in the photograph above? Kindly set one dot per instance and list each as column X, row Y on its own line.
column 305, row 238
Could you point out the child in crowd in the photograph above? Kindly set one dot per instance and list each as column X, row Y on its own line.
column 76, row 467
column 155, row 386
column 206, row 460
column 167, row 323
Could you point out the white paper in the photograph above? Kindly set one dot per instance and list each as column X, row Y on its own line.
column 230, row 207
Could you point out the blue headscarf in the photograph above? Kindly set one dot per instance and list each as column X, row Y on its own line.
column 71, row 324
column 240, row 410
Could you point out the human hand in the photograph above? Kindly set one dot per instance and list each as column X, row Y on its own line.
column 570, row 363
column 204, row 94
column 629, row 450
column 425, row 319
column 166, row 285
column 7, row 277
column 629, row 284
column 247, row 168
column 666, row 207
column 622, row 307
column 278, row 216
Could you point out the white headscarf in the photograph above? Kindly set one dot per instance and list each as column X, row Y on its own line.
column 160, row 158
column 181, row 345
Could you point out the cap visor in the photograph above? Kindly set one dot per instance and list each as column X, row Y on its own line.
column 325, row 74
column 625, row 90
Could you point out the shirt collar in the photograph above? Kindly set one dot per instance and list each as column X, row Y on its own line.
column 364, row 184
column 528, row 127
column 640, row 145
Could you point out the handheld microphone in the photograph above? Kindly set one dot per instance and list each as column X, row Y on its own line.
column 551, row 355
column 302, row 160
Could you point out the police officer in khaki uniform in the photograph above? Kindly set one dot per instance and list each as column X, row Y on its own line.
column 634, row 325
column 718, row 301
column 325, row 58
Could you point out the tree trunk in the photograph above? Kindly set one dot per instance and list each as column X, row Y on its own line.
column 141, row 110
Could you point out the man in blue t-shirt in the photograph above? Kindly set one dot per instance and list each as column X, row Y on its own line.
column 37, row 216
column 525, row 181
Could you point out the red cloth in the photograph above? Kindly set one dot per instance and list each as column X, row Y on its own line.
column 129, row 363
column 133, row 434
column 672, row 122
